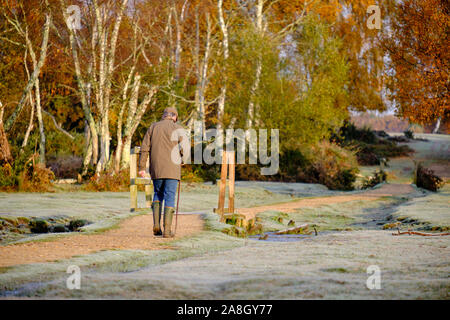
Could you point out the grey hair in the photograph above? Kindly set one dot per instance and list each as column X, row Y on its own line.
column 167, row 115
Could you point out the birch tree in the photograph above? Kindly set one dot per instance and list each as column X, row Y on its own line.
column 95, row 81
column 130, row 106
column 21, row 27
column 84, row 87
column 226, row 54
column 202, row 73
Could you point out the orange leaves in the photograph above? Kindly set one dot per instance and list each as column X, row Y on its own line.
column 420, row 55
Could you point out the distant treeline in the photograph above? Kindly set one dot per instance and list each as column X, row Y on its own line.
column 391, row 123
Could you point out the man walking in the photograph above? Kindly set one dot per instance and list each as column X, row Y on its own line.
column 164, row 143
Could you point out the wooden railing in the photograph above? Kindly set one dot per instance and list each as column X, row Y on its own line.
column 135, row 181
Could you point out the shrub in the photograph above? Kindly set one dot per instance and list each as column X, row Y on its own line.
column 371, row 154
column 8, row 179
column 65, row 166
column 26, row 175
column 377, row 178
column 426, row 179
column 334, row 166
column 109, row 181
column 58, row 144
column 324, row 163
column 401, row 139
column 366, row 156
column 74, row 225
column 381, row 133
column 39, row 226
column 409, row 134
column 292, row 163
column 349, row 132
column 36, row 178
column 200, row 172
column 370, row 146
column 250, row 172
column 58, row 228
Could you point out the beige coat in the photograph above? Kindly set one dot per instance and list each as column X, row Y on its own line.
column 164, row 142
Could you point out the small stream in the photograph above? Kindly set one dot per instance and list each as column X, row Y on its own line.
column 271, row 236
column 373, row 219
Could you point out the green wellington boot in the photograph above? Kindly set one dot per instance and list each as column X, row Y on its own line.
column 156, row 206
column 168, row 216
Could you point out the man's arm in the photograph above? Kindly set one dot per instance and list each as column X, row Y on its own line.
column 145, row 149
column 184, row 145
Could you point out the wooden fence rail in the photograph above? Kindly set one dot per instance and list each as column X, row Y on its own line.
column 135, row 181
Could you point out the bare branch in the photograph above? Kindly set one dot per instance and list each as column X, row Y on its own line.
column 58, row 126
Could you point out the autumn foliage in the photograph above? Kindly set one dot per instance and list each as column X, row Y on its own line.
column 82, row 97
column 418, row 47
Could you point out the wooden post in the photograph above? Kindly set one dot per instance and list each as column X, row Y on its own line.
column 227, row 168
column 135, row 181
column 223, row 185
column 133, row 176
column 231, row 181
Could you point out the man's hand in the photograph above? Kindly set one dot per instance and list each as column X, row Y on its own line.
column 142, row 173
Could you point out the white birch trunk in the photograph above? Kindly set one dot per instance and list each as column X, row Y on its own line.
column 255, row 86
column 32, row 106
column 37, row 93
column 100, row 71
column 84, row 90
column 30, row 125
column 134, row 118
column 202, row 76
column 88, row 156
column 106, row 65
column 178, row 49
column 34, row 76
column 223, row 91
column 41, row 124
column 118, row 156
column 437, row 125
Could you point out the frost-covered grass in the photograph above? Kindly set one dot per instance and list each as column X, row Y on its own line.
column 212, row 265
column 106, row 209
column 434, row 151
column 433, row 209
column 96, row 206
column 345, row 216
column 436, row 148
column 294, row 189
column 332, row 266
column 93, row 206
column 118, row 261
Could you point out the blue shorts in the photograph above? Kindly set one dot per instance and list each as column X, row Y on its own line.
column 165, row 189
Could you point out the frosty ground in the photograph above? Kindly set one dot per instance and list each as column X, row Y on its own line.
column 211, row 265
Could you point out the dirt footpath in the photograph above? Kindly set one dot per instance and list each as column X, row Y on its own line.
column 136, row 233
column 132, row 234
column 385, row 190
